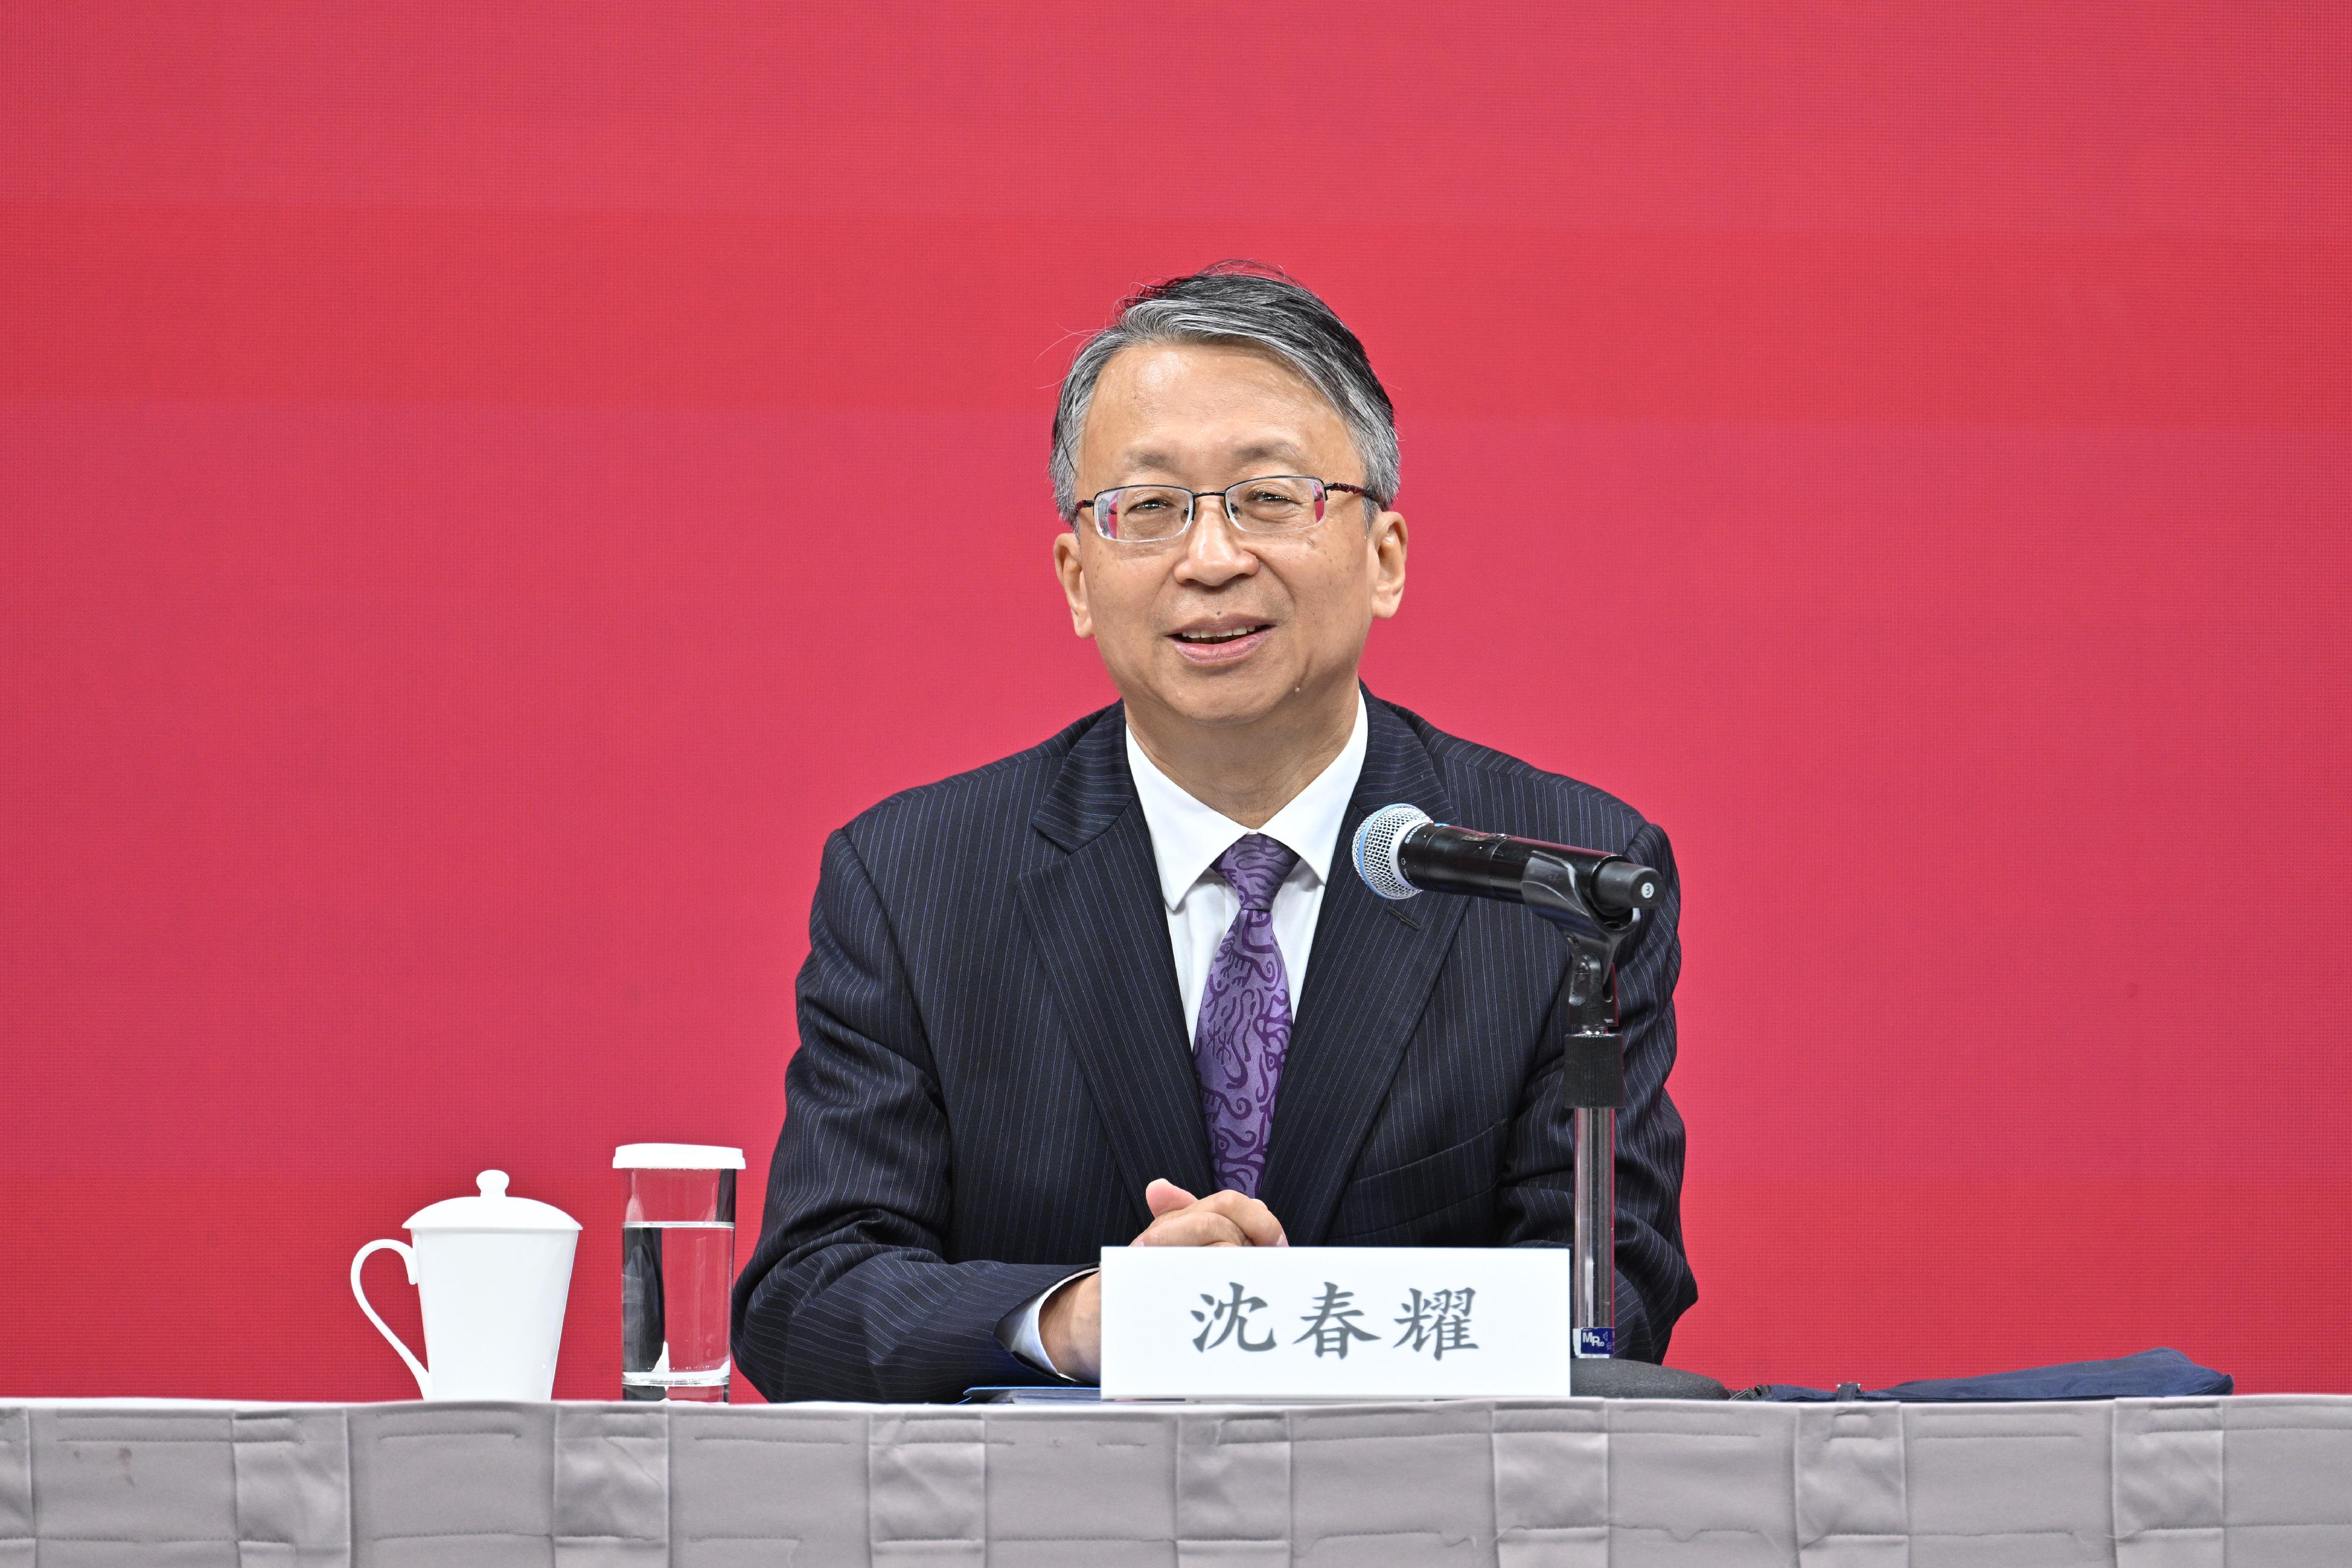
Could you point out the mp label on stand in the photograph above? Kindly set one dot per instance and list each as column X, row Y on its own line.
column 1595, row 1343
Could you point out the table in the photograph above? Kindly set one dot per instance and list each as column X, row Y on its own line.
column 2199, row 1483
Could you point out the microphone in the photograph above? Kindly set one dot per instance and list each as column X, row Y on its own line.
column 1400, row 852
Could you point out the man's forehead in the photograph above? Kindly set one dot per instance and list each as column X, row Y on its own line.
column 1206, row 411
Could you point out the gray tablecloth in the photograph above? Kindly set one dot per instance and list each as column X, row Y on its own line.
column 2227, row 1483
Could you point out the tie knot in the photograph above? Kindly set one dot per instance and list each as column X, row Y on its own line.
column 1254, row 868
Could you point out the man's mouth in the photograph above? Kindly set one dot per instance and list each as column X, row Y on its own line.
column 1209, row 646
column 1222, row 635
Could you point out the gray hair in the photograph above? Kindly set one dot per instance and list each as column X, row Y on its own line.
column 1251, row 304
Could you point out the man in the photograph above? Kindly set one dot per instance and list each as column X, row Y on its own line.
column 1125, row 985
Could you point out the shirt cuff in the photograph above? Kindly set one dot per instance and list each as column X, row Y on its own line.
column 1018, row 1332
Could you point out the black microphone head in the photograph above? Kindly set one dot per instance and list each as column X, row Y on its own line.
column 1377, row 843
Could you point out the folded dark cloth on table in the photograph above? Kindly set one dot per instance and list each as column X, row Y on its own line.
column 1032, row 1394
column 2151, row 1374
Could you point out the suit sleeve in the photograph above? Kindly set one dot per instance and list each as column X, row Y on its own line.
column 848, row 1295
column 1654, row 1285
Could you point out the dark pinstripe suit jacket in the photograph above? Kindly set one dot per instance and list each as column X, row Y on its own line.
column 994, row 1064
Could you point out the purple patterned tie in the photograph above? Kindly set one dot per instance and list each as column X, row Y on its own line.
column 1244, row 1030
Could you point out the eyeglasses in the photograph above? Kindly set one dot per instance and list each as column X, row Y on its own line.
column 1276, row 504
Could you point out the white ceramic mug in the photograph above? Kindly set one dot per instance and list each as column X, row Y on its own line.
column 492, row 1273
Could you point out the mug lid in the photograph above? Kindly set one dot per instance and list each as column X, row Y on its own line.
column 677, row 1157
column 493, row 1210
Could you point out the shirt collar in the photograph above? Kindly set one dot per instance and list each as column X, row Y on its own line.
column 1187, row 837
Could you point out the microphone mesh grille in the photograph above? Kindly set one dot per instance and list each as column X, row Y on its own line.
column 1376, row 847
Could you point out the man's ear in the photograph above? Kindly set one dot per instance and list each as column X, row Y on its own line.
column 1073, row 573
column 1387, row 547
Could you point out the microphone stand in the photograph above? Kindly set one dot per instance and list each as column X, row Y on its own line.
column 1593, row 1083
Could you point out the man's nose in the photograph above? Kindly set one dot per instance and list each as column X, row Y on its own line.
column 1212, row 552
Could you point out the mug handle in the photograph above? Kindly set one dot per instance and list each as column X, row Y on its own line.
column 423, row 1387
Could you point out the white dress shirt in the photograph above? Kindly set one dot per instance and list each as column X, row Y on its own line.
column 1187, row 837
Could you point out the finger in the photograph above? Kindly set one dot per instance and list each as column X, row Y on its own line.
column 1193, row 1227
column 1164, row 1197
column 1254, row 1219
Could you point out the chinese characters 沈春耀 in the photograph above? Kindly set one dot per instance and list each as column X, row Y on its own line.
column 1433, row 1322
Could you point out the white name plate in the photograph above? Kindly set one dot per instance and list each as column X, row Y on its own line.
column 1334, row 1322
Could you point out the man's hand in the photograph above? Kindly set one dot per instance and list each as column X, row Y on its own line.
column 1070, row 1322
column 1221, row 1219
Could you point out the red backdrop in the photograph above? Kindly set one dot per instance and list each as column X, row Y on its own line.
column 455, row 575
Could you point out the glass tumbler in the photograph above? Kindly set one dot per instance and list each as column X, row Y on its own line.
column 678, row 1267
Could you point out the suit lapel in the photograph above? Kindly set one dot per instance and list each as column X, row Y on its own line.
column 1369, row 976
column 1102, row 934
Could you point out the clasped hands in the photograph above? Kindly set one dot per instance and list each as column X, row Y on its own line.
column 1070, row 1322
